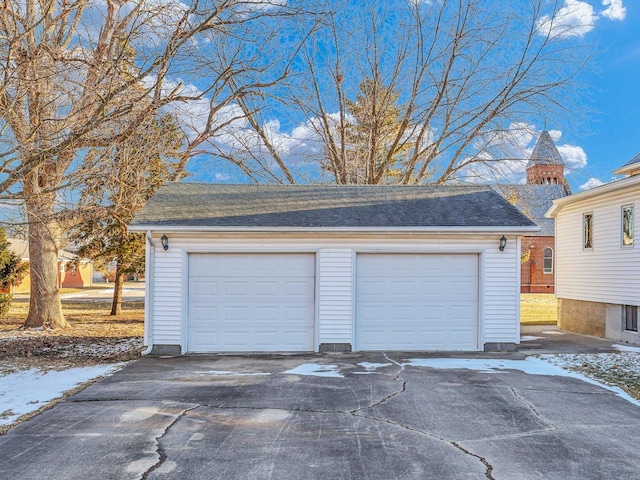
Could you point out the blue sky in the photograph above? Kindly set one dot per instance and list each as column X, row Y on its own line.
column 612, row 135
column 599, row 132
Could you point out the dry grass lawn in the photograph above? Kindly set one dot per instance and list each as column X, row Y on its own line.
column 94, row 336
column 538, row 309
column 87, row 319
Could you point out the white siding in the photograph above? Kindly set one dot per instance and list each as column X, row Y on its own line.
column 609, row 272
column 498, row 283
column 502, row 294
column 167, row 297
column 335, row 295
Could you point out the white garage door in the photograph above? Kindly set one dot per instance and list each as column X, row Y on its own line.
column 416, row 302
column 251, row 303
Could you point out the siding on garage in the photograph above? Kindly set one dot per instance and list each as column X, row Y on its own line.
column 335, row 296
column 167, row 297
column 499, row 298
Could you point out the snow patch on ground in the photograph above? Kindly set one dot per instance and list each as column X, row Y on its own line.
column 552, row 365
column 316, row 370
column 371, row 367
column 529, row 338
column 626, row 348
column 26, row 391
column 553, row 332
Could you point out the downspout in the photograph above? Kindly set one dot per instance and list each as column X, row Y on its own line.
column 149, row 257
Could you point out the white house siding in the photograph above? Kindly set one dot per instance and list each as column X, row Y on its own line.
column 608, row 273
column 499, row 298
column 335, row 295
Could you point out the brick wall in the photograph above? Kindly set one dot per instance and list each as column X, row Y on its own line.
column 532, row 276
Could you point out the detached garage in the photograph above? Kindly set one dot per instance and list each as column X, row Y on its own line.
column 272, row 268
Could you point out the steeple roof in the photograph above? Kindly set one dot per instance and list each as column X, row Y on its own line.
column 545, row 152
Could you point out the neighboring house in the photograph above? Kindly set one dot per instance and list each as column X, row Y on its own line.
column 255, row 268
column 71, row 271
column 545, row 183
column 598, row 268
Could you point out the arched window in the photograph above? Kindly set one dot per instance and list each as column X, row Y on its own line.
column 547, row 265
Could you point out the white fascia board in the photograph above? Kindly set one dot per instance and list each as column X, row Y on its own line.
column 592, row 192
column 632, row 169
column 349, row 230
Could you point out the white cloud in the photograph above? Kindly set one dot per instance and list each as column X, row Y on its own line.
column 615, row 10
column 574, row 19
column 591, row 183
column 574, row 157
column 505, row 155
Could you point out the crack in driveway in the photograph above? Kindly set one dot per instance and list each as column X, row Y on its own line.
column 162, row 454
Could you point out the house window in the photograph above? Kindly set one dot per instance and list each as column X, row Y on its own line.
column 630, row 318
column 587, row 230
column 627, row 225
column 547, row 265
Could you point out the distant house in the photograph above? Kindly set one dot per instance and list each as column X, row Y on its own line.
column 545, row 183
column 72, row 272
column 598, row 268
column 264, row 268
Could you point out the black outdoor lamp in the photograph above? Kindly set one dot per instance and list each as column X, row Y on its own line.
column 503, row 243
column 165, row 242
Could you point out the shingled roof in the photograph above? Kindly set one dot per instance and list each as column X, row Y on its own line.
column 545, row 152
column 629, row 168
column 191, row 206
column 534, row 201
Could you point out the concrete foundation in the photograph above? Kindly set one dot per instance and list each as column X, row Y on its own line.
column 335, row 347
column 615, row 326
column 588, row 318
column 166, row 350
column 499, row 347
column 592, row 318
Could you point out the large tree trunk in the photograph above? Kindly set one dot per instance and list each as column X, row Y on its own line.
column 45, row 309
column 116, row 304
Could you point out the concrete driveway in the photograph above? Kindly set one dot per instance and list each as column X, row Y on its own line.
column 342, row 416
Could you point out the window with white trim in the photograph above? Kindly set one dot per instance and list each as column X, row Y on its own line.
column 630, row 318
column 547, row 261
column 627, row 225
column 587, row 230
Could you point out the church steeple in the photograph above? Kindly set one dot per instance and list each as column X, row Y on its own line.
column 545, row 164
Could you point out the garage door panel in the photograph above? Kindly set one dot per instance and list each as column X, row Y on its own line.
column 298, row 289
column 416, row 302
column 265, row 288
column 265, row 314
column 251, row 302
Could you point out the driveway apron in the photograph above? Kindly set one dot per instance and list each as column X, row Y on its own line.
column 340, row 416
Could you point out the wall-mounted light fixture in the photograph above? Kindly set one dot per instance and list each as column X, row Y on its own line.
column 503, row 243
column 165, row 242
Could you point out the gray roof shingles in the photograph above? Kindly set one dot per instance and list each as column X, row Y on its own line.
column 534, row 201
column 545, row 152
column 633, row 161
column 316, row 206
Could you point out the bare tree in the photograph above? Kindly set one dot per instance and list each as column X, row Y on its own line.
column 453, row 76
column 78, row 75
column 134, row 168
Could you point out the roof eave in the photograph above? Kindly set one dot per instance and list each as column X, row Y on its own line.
column 628, row 170
column 514, row 230
column 559, row 203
